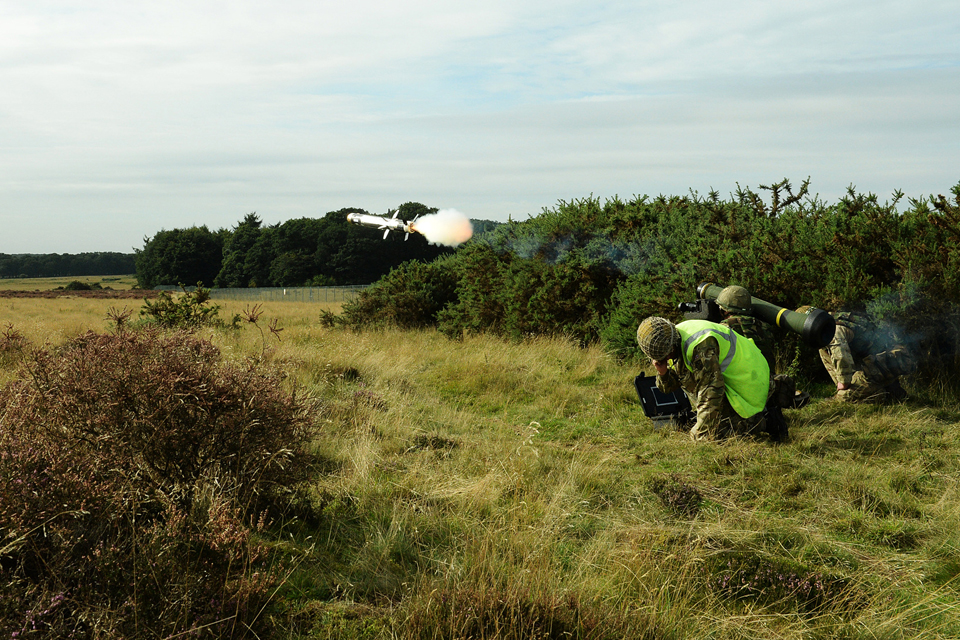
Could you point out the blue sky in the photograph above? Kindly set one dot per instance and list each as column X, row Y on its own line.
column 120, row 119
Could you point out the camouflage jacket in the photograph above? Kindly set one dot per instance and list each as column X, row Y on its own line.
column 704, row 382
column 863, row 337
column 756, row 330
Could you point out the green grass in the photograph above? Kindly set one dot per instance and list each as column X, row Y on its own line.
column 490, row 489
column 48, row 284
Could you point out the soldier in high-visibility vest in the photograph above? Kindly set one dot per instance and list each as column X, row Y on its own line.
column 726, row 374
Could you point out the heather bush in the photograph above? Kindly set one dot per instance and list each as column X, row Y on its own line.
column 678, row 496
column 777, row 582
column 13, row 345
column 135, row 472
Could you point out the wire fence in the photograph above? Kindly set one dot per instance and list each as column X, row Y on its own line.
column 283, row 294
column 289, row 294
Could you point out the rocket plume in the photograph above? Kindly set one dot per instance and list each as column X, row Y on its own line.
column 448, row 227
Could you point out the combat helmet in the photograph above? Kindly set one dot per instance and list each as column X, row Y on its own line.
column 657, row 337
column 735, row 299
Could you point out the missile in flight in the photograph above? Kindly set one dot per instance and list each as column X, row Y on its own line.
column 392, row 223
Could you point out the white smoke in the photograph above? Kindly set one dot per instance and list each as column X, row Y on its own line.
column 448, row 227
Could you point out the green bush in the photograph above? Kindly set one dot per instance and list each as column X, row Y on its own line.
column 189, row 311
column 410, row 297
column 76, row 285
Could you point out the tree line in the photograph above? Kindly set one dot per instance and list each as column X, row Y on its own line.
column 323, row 251
column 51, row 265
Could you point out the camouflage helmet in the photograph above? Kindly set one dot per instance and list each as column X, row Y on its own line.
column 657, row 337
column 735, row 298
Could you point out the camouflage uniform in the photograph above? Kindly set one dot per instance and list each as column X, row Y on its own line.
column 866, row 359
column 716, row 418
column 750, row 327
column 737, row 305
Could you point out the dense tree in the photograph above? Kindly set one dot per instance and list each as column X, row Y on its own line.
column 295, row 244
column 58, row 265
column 235, row 247
column 297, row 252
column 179, row 256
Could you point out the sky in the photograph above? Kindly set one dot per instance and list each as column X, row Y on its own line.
column 120, row 119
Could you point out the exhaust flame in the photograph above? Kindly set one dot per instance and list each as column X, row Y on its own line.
column 448, row 227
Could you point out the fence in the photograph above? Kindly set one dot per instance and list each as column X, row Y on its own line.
column 289, row 294
column 282, row 294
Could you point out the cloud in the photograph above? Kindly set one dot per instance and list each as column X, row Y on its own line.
column 119, row 119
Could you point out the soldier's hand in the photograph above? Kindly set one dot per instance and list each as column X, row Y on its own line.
column 842, row 386
column 660, row 366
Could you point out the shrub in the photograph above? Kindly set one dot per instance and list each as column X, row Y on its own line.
column 683, row 499
column 409, row 297
column 76, row 285
column 13, row 345
column 592, row 271
column 741, row 575
column 135, row 472
column 190, row 310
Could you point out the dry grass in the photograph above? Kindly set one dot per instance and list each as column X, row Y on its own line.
column 492, row 489
column 46, row 284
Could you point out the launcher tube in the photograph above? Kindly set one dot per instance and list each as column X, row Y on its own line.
column 816, row 327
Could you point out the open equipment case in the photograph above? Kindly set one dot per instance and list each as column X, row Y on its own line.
column 663, row 408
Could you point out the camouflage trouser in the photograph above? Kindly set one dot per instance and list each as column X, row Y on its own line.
column 876, row 374
column 731, row 424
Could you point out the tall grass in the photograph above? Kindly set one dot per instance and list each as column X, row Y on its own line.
column 495, row 489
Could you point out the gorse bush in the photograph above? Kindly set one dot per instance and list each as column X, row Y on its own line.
column 190, row 310
column 410, row 297
column 135, row 472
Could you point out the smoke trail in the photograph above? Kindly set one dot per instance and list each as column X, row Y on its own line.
column 448, row 227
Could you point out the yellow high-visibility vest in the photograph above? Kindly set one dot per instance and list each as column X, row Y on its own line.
column 746, row 374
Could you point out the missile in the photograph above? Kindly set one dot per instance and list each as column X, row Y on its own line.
column 816, row 326
column 383, row 222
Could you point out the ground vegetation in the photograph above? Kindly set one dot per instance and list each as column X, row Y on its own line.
column 477, row 488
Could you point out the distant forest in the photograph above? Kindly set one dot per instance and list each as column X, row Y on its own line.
column 52, row 265
column 323, row 251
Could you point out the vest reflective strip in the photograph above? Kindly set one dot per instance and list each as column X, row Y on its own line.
column 732, row 339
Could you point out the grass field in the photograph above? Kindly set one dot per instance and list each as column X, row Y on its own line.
column 490, row 489
column 46, row 284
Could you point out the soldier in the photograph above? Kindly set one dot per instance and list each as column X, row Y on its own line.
column 736, row 304
column 865, row 361
column 727, row 375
